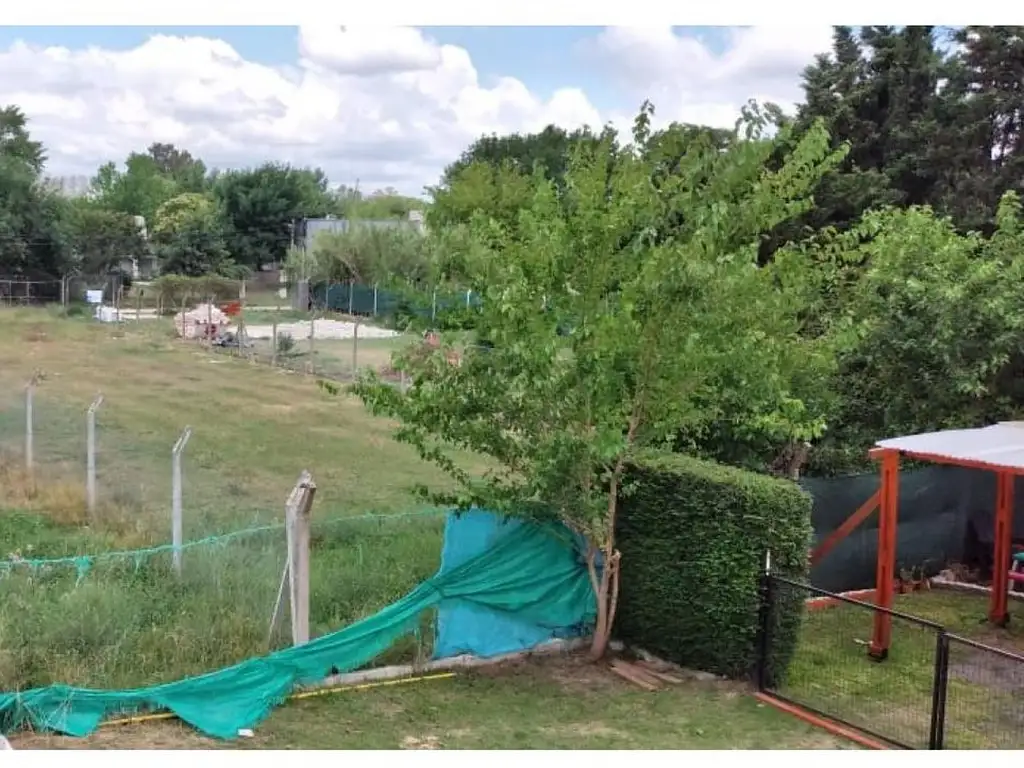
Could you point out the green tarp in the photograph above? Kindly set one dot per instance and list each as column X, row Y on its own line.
column 533, row 572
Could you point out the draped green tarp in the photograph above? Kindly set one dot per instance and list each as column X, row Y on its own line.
column 534, row 572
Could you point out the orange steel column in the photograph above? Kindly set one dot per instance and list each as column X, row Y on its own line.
column 885, row 570
column 1002, row 542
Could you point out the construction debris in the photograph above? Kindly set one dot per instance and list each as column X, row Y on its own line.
column 206, row 321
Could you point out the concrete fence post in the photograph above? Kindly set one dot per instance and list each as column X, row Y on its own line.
column 297, row 516
column 30, row 390
column 90, row 458
column 176, row 514
column 355, row 348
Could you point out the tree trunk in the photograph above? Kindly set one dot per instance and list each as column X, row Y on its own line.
column 606, row 589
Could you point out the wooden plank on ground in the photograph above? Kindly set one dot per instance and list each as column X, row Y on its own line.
column 634, row 675
column 665, row 677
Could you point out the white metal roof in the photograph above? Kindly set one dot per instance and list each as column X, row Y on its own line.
column 1000, row 445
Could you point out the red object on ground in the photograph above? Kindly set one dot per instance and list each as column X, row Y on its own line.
column 231, row 309
column 823, row 722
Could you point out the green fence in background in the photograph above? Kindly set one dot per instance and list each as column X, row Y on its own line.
column 372, row 301
column 946, row 515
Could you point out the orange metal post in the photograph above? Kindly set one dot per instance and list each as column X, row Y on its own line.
column 1003, row 541
column 885, row 569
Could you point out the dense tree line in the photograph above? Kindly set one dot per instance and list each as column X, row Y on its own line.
column 896, row 262
column 909, row 250
column 195, row 221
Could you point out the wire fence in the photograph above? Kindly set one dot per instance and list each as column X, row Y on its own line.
column 89, row 494
column 330, row 348
column 120, row 619
column 67, row 452
column 22, row 293
column 933, row 689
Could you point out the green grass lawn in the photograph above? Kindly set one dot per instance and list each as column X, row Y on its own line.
column 558, row 703
column 985, row 707
column 128, row 623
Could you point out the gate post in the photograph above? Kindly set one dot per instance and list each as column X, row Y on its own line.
column 764, row 623
column 940, row 685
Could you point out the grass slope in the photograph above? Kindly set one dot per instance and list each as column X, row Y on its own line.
column 127, row 622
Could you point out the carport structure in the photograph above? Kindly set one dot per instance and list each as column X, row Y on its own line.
column 998, row 448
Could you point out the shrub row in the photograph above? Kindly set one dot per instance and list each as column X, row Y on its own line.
column 693, row 536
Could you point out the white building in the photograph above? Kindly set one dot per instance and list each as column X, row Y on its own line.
column 70, row 186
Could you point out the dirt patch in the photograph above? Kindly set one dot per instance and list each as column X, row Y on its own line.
column 170, row 734
column 988, row 669
column 591, row 730
column 1001, row 638
column 35, row 333
column 421, row 742
column 573, row 672
column 388, row 709
column 824, row 741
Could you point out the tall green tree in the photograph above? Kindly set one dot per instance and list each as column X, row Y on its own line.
column 928, row 328
column 373, row 255
column 188, row 235
column 261, row 206
column 606, row 340
column 101, row 238
column 137, row 190
column 15, row 142
column 187, row 172
column 878, row 94
column 980, row 153
column 493, row 161
column 33, row 232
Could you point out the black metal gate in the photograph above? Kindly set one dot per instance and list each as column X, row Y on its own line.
column 935, row 690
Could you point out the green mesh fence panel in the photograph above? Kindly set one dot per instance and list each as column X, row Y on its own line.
column 358, row 299
column 533, row 572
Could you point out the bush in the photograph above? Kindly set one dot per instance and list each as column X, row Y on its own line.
column 693, row 536
column 285, row 343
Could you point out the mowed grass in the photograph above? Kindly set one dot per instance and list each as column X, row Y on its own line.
column 832, row 672
column 556, row 703
column 338, row 359
column 126, row 621
column 254, row 428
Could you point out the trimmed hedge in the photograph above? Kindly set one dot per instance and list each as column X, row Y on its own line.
column 693, row 536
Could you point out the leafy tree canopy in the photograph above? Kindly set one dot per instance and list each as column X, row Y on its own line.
column 604, row 338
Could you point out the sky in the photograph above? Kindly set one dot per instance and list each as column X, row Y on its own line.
column 384, row 106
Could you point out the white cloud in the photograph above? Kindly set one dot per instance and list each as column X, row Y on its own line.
column 389, row 106
column 368, row 51
column 689, row 81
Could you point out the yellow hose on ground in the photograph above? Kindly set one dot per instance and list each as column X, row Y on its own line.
column 293, row 697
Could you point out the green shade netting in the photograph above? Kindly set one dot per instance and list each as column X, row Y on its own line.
column 534, row 572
